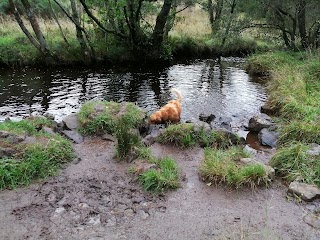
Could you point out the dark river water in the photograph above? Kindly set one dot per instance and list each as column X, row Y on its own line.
column 208, row 86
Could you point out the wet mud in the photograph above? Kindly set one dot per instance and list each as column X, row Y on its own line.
column 95, row 197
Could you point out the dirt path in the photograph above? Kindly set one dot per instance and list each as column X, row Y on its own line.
column 94, row 198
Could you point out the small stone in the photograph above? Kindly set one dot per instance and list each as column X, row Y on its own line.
column 314, row 150
column 129, row 212
column 59, row 210
column 108, row 137
column 74, row 136
column 257, row 123
column 48, row 130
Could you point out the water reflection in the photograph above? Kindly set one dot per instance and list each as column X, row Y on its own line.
column 218, row 86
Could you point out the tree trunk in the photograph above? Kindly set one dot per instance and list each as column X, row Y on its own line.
column 302, row 23
column 214, row 15
column 23, row 27
column 83, row 45
column 36, row 28
column 233, row 6
column 158, row 31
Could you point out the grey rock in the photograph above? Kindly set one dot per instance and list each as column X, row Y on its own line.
column 49, row 116
column 30, row 140
column 74, row 136
column 257, row 123
column 307, row 192
column 208, row 118
column 268, row 138
column 4, row 134
column 268, row 169
column 48, row 130
column 250, row 150
column 148, row 140
column 314, row 150
column 14, row 139
column 7, row 152
column 99, row 107
column 312, row 220
column 108, row 137
column 71, row 122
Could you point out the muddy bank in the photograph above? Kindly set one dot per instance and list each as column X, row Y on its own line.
column 95, row 198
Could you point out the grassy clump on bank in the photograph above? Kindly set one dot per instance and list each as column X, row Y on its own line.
column 186, row 135
column 293, row 162
column 294, row 90
column 31, row 161
column 166, row 176
column 223, row 166
column 120, row 119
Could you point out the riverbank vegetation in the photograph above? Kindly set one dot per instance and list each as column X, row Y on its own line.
column 86, row 32
column 28, row 153
column 294, row 92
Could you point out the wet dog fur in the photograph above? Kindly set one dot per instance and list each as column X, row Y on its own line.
column 170, row 112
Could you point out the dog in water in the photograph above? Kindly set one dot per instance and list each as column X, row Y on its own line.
column 170, row 112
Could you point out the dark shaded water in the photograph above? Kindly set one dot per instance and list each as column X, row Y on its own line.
column 208, row 86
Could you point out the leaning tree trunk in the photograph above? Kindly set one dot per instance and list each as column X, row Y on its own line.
column 23, row 27
column 83, row 45
column 36, row 28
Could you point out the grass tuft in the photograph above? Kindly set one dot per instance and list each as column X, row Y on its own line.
column 293, row 162
column 163, row 178
column 223, row 166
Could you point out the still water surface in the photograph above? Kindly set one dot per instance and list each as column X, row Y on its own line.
column 221, row 87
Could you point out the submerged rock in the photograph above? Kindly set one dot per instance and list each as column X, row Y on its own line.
column 208, row 118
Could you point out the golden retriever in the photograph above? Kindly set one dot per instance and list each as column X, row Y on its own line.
column 170, row 112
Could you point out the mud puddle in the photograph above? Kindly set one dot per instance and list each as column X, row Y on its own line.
column 95, row 198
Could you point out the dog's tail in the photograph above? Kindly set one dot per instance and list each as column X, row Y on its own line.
column 176, row 91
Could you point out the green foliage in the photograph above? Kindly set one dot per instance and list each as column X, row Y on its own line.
column 294, row 163
column 158, row 180
column 223, row 166
column 33, row 161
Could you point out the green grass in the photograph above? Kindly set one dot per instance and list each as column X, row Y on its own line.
column 294, row 163
column 30, row 126
column 32, row 161
column 223, row 166
column 185, row 135
column 294, row 90
column 161, row 179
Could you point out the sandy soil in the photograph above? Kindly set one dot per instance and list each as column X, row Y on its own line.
column 95, row 198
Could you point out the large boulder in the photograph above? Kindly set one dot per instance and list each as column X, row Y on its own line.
column 268, row 137
column 306, row 192
column 259, row 122
column 71, row 122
